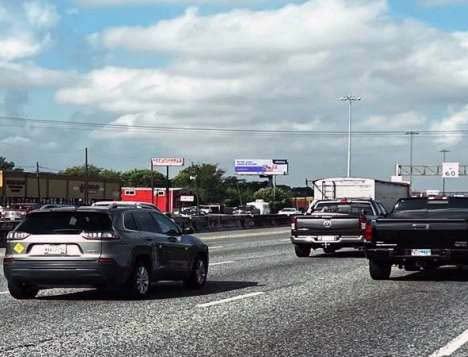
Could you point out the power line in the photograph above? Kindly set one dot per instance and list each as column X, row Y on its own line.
column 44, row 123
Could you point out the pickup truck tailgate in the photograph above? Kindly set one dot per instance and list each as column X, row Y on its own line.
column 328, row 225
column 421, row 233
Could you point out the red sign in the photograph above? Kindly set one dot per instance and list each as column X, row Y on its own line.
column 167, row 161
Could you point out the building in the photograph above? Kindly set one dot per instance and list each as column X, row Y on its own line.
column 143, row 194
column 19, row 186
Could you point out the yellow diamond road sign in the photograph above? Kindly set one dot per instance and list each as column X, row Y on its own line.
column 18, row 248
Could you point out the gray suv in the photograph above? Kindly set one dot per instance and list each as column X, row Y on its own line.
column 103, row 248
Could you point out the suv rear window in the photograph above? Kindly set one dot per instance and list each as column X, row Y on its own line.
column 65, row 223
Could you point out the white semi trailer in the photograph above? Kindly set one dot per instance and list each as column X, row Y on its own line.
column 385, row 192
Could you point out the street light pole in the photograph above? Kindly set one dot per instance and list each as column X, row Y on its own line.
column 443, row 152
column 411, row 135
column 350, row 99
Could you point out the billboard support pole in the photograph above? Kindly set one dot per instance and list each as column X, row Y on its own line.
column 167, row 189
column 274, row 188
column 152, row 182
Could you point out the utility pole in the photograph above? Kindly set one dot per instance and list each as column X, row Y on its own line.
column 86, row 193
column 350, row 99
column 443, row 152
column 152, row 182
column 38, row 182
column 411, row 135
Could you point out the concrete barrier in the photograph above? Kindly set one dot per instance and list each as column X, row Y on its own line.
column 201, row 224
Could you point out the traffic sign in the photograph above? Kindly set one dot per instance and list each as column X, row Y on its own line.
column 450, row 169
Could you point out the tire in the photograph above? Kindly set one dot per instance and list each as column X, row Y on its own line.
column 302, row 251
column 140, row 281
column 21, row 291
column 329, row 250
column 197, row 279
column 379, row 270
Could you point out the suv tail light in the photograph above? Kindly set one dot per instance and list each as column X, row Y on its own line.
column 17, row 235
column 293, row 223
column 100, row 235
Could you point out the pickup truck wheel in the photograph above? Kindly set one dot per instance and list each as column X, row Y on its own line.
column 329, row 250
column 379, row 270
column 302, row 251
column 22, row 291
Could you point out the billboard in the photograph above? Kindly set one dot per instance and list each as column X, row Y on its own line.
column 167, row 161
column 260, row 167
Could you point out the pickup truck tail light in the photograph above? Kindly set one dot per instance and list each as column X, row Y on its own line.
column 293, row 223
column 368, row 232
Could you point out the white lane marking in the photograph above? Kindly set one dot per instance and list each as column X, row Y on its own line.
column 216, row 247
column 235, row 298
column 4, row 292
column 221, row 263
column 452, row 346
column 285, row 240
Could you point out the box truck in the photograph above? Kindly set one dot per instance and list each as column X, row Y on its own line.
column 385, row 192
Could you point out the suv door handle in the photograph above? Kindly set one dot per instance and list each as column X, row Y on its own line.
column 148, row 239
column 172, row 239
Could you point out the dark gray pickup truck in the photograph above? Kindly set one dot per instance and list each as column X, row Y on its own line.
column 334, row 224
column 419, row 234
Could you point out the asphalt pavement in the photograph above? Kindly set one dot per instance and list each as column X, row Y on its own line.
column 261, row 300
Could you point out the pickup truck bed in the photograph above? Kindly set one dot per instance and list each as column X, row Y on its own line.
column 332, row 226
column 418, row 239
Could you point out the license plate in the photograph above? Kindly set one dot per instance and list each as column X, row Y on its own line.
column 421, row 252
column 327, row 238
column 55, row 249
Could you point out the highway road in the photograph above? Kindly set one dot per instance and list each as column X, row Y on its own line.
column 260, row 301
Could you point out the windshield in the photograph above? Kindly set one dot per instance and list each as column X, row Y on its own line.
column 353, row 208
column 65, row 223
column 431, row 204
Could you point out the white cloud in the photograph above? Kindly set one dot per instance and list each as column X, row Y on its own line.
column 101, row 3
column 452, row 123
column 41, row 14
column 15, row 140
column 280, row 69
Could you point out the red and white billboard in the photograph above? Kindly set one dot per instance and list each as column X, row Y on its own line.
column 167, row 161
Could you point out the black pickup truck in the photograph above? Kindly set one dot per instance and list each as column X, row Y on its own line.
column 419, row 234
column 333, row 224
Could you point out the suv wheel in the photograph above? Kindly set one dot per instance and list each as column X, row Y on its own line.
column 302, row 251
column 379, row 270
column 22, row 291
column 139, row 283
column 198, row 275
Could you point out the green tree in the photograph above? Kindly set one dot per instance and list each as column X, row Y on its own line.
column 142, row 178
column 205, row 179
column 5, row 164
column 93, row 171
column 279, row 200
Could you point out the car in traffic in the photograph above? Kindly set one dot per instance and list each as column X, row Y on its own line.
column 247, row 210
column 289, row 211
column 334, row 224
column 116, row 204
column 125, row 248
column 419, row 234
column 13, row 215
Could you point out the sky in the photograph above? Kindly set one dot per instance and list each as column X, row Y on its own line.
column 234, row 64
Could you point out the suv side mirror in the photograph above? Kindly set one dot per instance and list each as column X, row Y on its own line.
column 188, row 230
